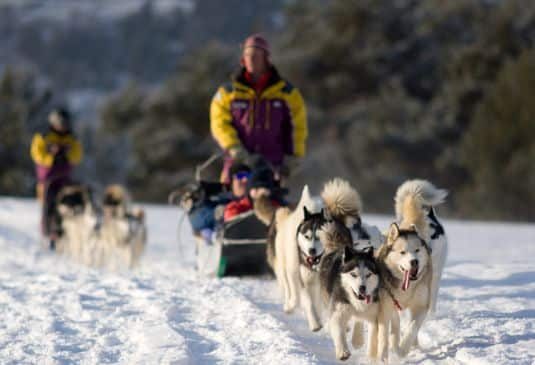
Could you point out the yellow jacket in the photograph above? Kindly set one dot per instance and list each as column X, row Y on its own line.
column 272, row 124
column 41, row 144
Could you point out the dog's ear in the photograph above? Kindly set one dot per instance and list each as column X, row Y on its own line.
column 305, row 195
column 393, row 233
column 308, row 215
column 349, row 253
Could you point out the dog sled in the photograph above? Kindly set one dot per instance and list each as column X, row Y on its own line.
column 238, row 246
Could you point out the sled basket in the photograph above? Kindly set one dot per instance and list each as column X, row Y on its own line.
column 243, row 240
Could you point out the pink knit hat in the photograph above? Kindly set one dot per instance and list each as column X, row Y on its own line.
column 257, row 41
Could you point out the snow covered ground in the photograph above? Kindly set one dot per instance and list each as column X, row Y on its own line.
column 56, row 312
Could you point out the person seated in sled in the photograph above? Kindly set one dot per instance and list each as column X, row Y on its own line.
column 203, row 218
column 259, row 113
column 263, row 195
column 55, row 152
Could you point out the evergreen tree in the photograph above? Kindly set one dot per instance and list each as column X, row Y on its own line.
column 499, row 147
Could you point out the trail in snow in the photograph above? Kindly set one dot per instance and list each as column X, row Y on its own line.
column 57, row 312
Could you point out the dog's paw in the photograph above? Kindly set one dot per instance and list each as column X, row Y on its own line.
column 316, row 328
column 343, row 355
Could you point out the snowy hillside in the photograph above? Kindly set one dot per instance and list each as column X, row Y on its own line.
column 56, row 312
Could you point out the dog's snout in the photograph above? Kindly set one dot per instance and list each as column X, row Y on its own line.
column 312, row 252
column 362, row 289
column 414, row 263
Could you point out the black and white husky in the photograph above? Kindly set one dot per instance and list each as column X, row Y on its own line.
column 350, row 284
column 345, row 229
column 78, row 221
column 294, row 253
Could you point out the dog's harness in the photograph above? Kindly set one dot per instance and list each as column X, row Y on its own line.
column 394, row 300
column 389, row 292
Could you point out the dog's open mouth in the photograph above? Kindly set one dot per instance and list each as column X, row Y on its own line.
column 413, row 273
column 366, row 298
column 408, row 276
column 312, row 261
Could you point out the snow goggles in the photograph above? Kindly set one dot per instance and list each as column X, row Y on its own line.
column 241, row 175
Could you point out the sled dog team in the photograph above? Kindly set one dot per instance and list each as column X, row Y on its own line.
column 326, row 259
column 114, row 237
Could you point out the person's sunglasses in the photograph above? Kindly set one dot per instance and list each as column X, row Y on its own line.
column 241, row 175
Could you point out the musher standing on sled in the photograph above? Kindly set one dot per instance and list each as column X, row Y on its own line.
column 259, row 113
column 55, row 153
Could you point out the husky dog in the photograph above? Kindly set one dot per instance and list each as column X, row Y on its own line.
column 346, row 229
column 406, row 264
column 350, row 284
column 428, row 196
column 344, row 205
column 78, row 220
column 123, row 227
column 294, row 253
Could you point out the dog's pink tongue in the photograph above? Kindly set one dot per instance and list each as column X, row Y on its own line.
column 367, row 299
column 405, row 284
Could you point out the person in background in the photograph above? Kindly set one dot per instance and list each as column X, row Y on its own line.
column 261, row 189
column 259, row 113
column 56, row 151
column 204, row 218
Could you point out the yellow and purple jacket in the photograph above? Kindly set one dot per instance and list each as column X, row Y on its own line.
column 272, row 124
column 49, row 164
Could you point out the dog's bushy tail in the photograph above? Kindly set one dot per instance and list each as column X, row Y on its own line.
column 412, row 196
column 341, row 199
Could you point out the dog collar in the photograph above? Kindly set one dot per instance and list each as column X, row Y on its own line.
column 394, row 300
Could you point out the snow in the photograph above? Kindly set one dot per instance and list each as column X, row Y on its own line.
column 57, row 312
